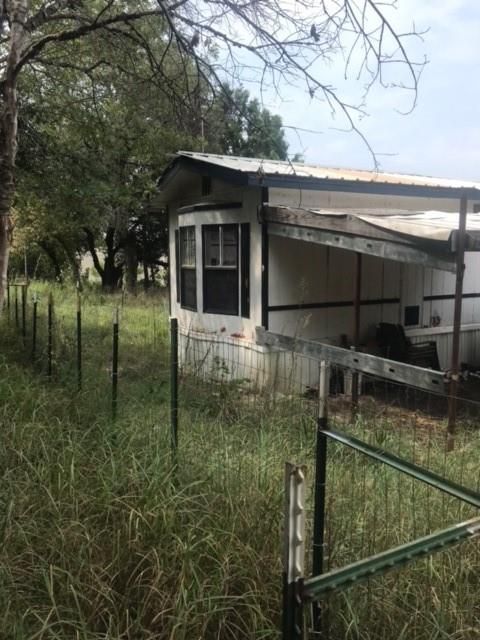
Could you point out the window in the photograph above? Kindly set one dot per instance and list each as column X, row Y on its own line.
column 226, row 269
column 188, row 272
column 206, row 185
column 220, row 275
column 412, row 316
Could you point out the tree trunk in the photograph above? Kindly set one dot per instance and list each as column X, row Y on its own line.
column 8, row 130
column 4, row 251
column 93, row 251
column 146, row 279
column 72, row 259
column 131, row 263
column 112, row 273
column 52, row 255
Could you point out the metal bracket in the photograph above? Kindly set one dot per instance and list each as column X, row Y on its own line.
column 296, row 522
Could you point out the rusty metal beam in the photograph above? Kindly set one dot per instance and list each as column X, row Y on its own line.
column 457, row 322
column 381, row 248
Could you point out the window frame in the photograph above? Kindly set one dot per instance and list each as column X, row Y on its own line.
column 208, row 308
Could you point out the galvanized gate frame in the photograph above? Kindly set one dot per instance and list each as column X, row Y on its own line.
column 300, row 591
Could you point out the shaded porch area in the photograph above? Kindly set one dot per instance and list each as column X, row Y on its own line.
column 338, row 275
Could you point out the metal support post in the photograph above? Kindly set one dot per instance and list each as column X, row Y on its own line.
column 115, row 364
column 16, row 307
column 457, row 323
column 50, row 336
column 356, row 327
column 24, row 313
column 34, row 326
column 320, row 486
column 174, row 388
column 294, row 552
column 79, row 341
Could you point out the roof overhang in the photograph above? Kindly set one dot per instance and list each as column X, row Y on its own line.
column 255, row 172
column 425, row 238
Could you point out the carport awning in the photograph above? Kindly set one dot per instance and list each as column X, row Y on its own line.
column 422, row 237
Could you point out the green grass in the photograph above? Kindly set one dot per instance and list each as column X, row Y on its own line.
column 99, row 539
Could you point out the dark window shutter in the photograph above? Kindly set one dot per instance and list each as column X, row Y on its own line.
column 177, row 264
column 245, row 269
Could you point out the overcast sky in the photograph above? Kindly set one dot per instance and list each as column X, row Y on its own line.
column 441, row 136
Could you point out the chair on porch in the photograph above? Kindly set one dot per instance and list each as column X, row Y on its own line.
column 395, row 345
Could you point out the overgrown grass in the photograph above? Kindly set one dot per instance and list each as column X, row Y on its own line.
column 101, row 540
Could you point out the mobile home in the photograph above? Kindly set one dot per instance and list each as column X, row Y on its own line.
column 321, row 253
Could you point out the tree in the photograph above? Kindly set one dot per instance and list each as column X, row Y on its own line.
column 91, row 152
column 90, row 161
column 239, row 126
column 216, row 39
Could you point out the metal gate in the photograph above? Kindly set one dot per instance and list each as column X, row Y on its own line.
column 301, row 591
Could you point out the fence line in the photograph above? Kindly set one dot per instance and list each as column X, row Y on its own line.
column 360, row 506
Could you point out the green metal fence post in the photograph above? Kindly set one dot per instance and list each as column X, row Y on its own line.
column 34, row 326
column 24, row 312
column 319, row 491
column 16, row 307
column 79, row 341
column 174, row 387
column 115, row 364
column 50, row 336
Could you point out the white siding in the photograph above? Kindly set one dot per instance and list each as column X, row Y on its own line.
column 314, row 274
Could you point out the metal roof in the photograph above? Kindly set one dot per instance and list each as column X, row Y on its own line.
column 261, row 170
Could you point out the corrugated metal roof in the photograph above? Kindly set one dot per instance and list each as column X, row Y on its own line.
column 300, row 170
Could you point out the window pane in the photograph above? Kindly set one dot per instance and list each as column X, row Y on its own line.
column 229, row 245
column 189, row 288
column 191, row 245
column 212, row 246
column 221, row 291
column 187, row 235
